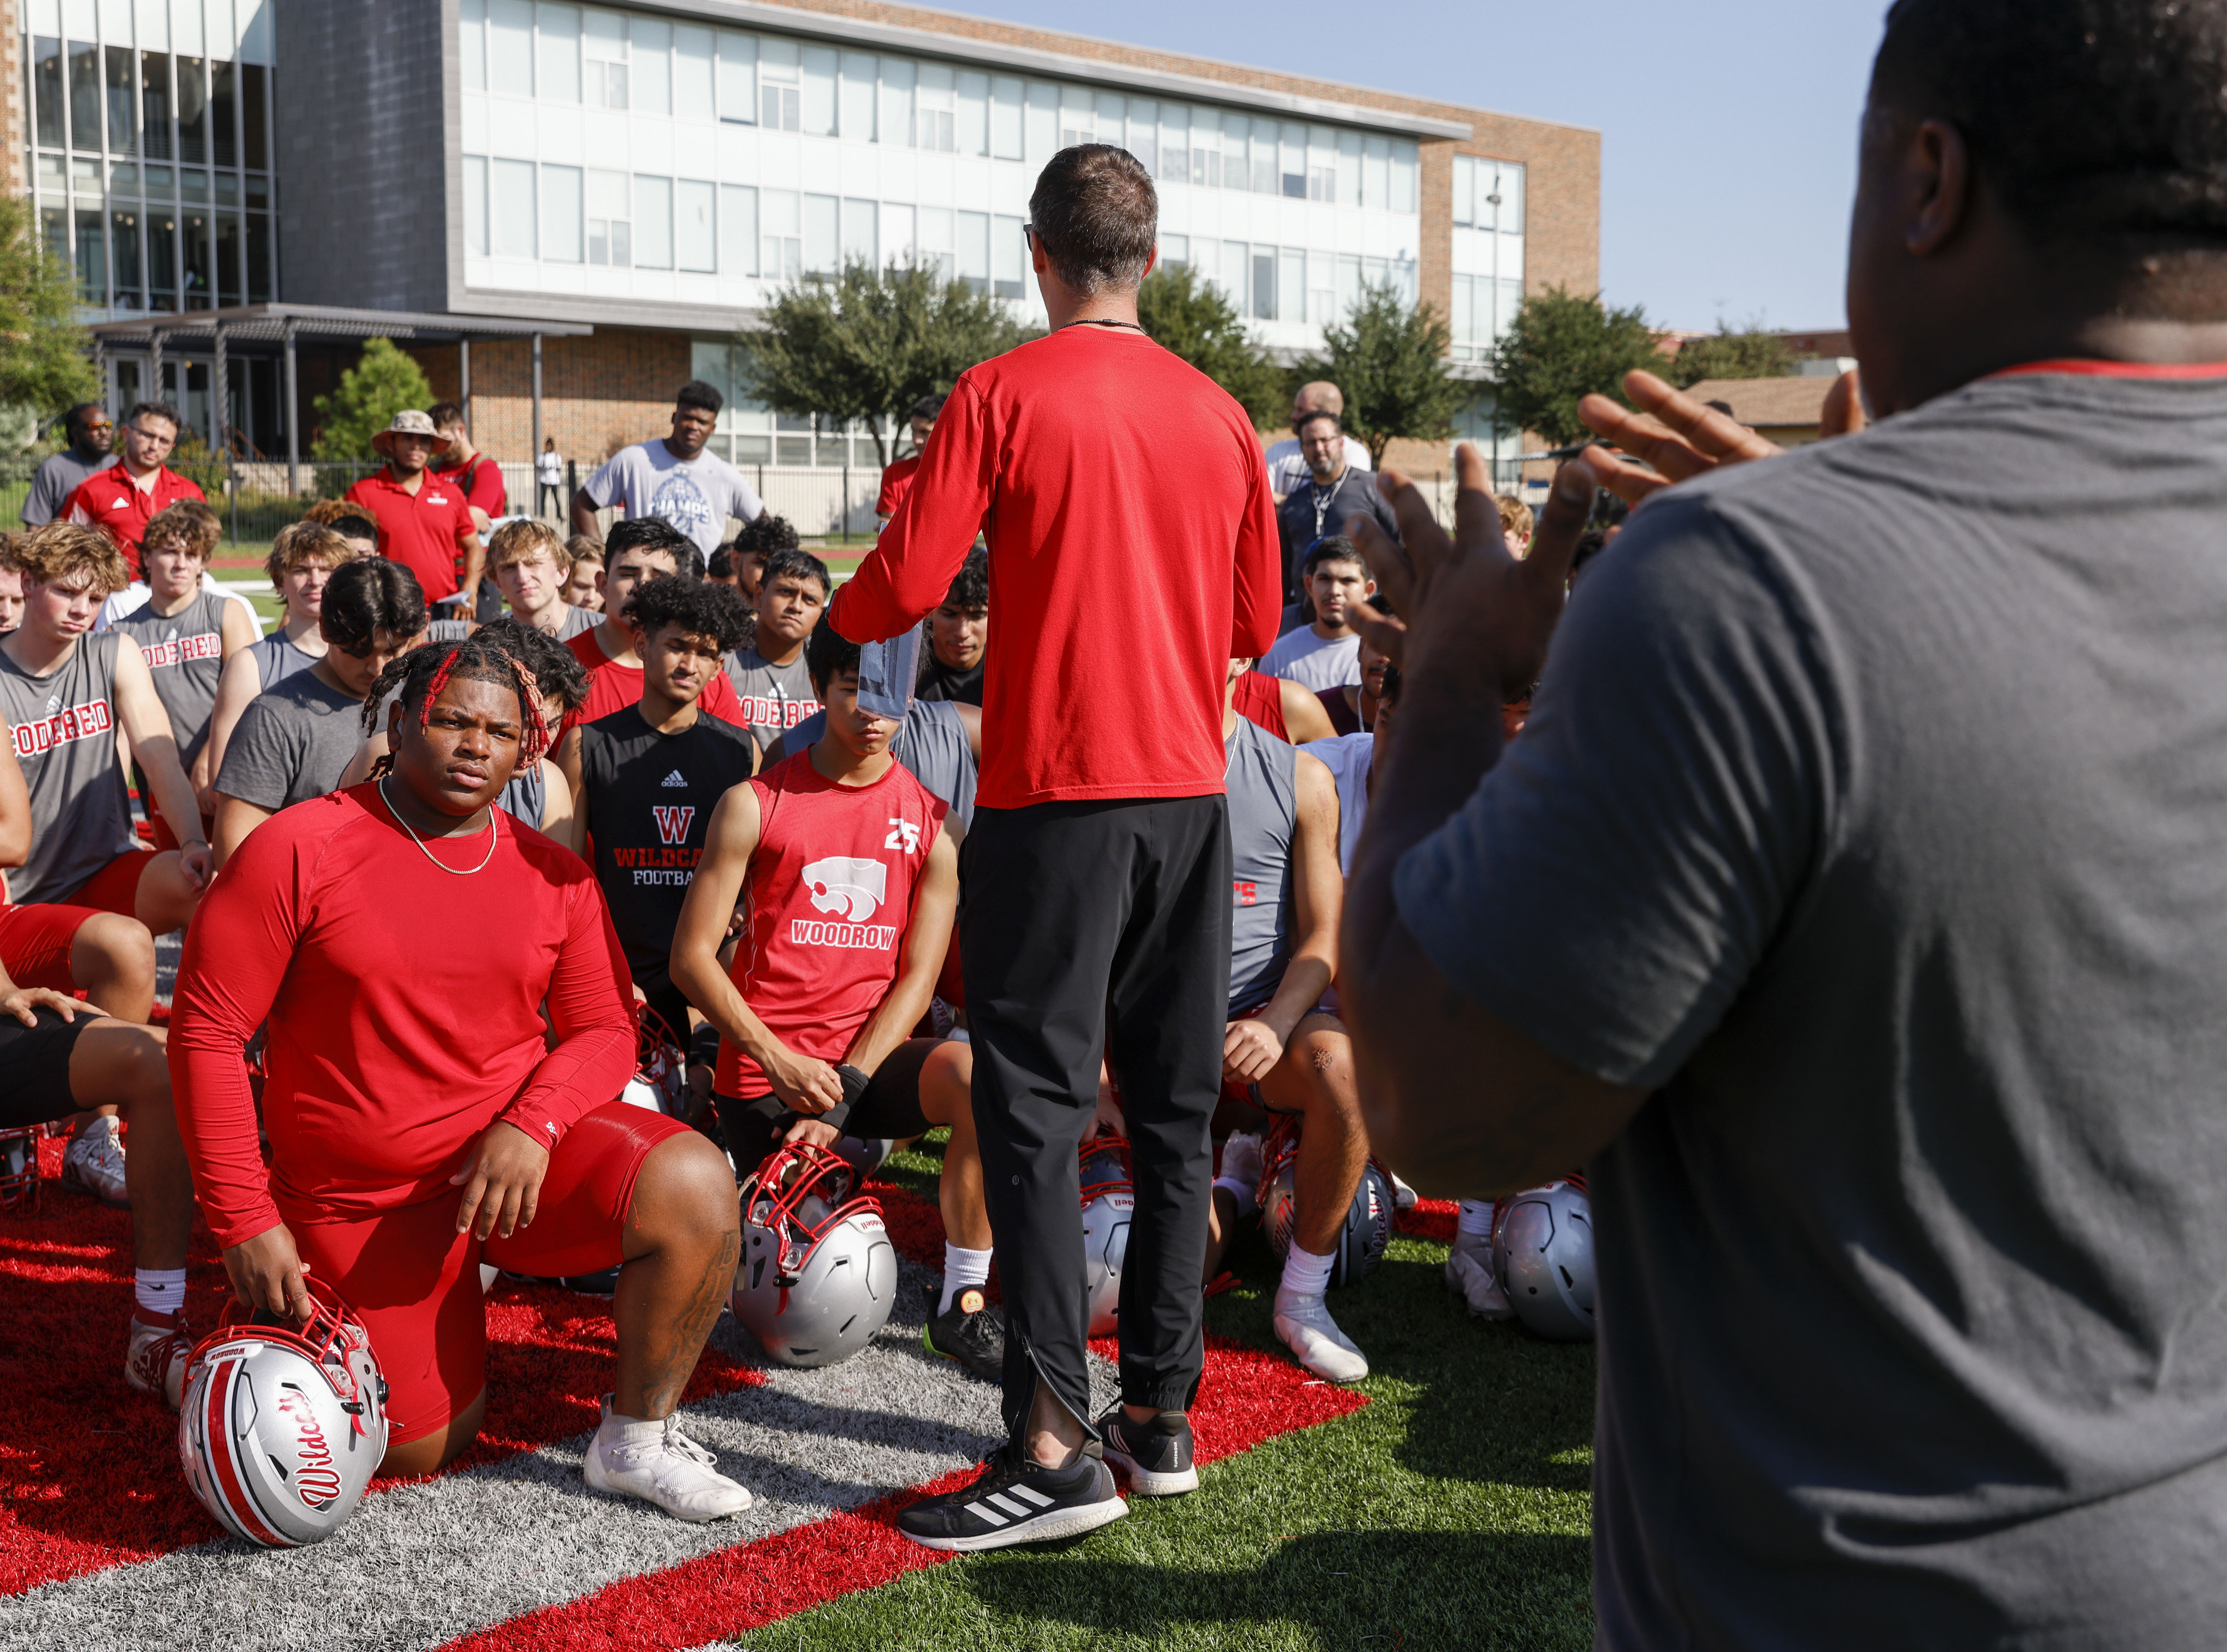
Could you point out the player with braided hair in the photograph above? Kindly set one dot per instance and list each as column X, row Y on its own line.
column 399, row 1074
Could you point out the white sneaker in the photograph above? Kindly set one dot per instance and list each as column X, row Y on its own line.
column 655, row 1461
column 1240, row 1163
column 1468, row 1276
column 1403, row 1196
column 1305, row 1325
column 155, row 1357
column 93, row 1162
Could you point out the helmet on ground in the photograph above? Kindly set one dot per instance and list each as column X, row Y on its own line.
column 817, row 1275
column 1542, row 1252
column 281, row 1430
column 1109, row 1200
column 1368, row 1227
column 660, row 1078
column 19, row 1168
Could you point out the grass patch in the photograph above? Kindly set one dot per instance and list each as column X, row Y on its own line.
column 1454, row 1511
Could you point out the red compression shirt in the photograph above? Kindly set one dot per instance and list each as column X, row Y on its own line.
column 390, row 1045
column 613, row 687
column 1261, row 697
column 1059, row 451
column 897, row 483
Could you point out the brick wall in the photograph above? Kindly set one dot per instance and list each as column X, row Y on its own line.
column 12, row 111
column 598, row 394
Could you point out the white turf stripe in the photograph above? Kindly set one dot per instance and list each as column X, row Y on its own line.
column 1033, row 1495
column 983, row 1511
column 1017, row 1511
column 422, row 1564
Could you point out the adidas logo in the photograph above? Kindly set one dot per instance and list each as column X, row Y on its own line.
column 673, row 779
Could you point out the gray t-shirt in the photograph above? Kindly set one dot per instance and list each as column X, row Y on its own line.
column 775, row 698
column 277, row 658
column 1872, row 813
column 1262, row 775
column 930, row 743
column 1314, row 662
column 64, row 728
column 184, row 653
column 696, row 497
column 54, row 481
column 292, row 743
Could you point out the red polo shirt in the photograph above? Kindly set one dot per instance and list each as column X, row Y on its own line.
column 426, row 531
column 613, row 687
column 111, row 502
column 482, row 481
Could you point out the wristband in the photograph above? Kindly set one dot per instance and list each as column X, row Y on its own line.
column 854, row 1083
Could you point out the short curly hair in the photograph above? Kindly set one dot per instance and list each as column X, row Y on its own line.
column 62, row 552
column 197, row 531
column 972, row 588
column 298, row 541
column 766, row 535
column 702, row 607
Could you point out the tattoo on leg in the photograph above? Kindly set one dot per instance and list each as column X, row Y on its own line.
column 671, row 1365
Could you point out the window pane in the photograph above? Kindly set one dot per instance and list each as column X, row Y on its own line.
column 1511, row 198
column 859, row 92
column 1145, row 132
column 1376, row 172
column 1043, row 120
column 558, row 61
column 973, row 114
column 653, row 222
column 972, row 235
column 193, row 109
column 860, row 228
column 1174, row 142
column 124, row 243
column 510, row 47
column 935, row 240
column 90, row 254
column 695, row 233
column 817, row 108
column 1264, row 283
column 1403, row 176
column 254, row 118
column 739, row 80
column 649, row 68
column 1465, row 192
column 510, row 208
column 224, row 102
column 895, row 123
column 1322, row 288
column 1511, row 300
column 195, row 227
column 228, row 258
column 123, row 95
column 898, row 233
column 560, row 209
column 475, row 204
column 1008, row 258
column 1349, row 168
column 1236, row 276
column 1292, row 159
column 162, row 259
column 738, row 230
column 1174, row 250
column 822, row 240
column 85, row 98
column 47, row 88
column 471, row 44
column 691, row 73
column 1006, row 95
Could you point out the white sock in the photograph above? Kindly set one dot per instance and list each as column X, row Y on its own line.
column 1476, row 1217
column 1305, row 1275
column 962, row 1267
column 1248, row 1196
column 159, row 1289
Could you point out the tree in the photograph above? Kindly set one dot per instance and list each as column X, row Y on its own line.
column 46, row 365
column 870, row 344
column 1749, row 353
column 1390, row 361
column 380, row 384
column 1562, row 346
column 1190, row 318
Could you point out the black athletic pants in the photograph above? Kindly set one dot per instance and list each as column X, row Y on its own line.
column 1086, row 927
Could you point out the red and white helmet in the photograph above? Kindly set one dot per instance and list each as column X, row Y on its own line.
column 1361, row 1238
column 19, row 1169
column 817, row 1275
column 660, row 1075
column 281, row 1430
column 1109, row 1203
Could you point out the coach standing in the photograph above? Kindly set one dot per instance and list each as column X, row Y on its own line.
column 1097, row 873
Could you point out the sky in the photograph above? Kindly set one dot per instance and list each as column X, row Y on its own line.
column 1728, row 127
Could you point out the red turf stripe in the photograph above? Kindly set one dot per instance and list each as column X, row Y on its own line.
column 1431, row 1219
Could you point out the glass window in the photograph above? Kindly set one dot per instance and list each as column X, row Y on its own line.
column 937, row 246
column 510, row 46
column 818, row 83
column 1375, row 272
column 823, row 249
column 695, row 228
column 1042, row 121
column 154, row 105
column 258, row 191
column 124, row 241
column 55, row 231
column 47, row 88
column 199, row 258
column 860, row 227
column 1009, row 259
column 1322, row 164
column 972, row 231
column 653, row 223
column 1174, row 250
column 1511, row 198
column 1376, row 172
column 897, row 242
column 193, row 109
column 1078, row 117
column 859, row 90
column 475, row 206
column 1322, row 289
column 1404, row 274
column 692, row 97
column 1462, row 323
column 738, row 230
column 1206, row 150
column 973, row 124
column 1236, row 276
column 1403, row 176
column 935, row 122
column 194, row 183
column 254, row 117
column 1510, row 301
column 1174, row 142
column 1007, row 95
column 90, row 251
column 471, row 44
column 1112, row 110
column 1292, row 159
column 779, row 97
column 1265, row 179
column 511, row 229
column 738, row 82
column 1145, row 132
column 559, row 59
column 1264, row 283
column 783, row 242
column 895, row 121
column 611, row 218
column 229, row 258
column 122, row 91
column 649, row 58
column 1348, row 170
column 224, row 104
column 85, row 98
column 162, row 259
column 560, row 212
column 1236, row 170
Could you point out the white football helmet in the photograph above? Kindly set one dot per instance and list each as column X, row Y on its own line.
column 19, row 1168
column 1542, row 1252
column 281, row 1430
column 1360, row 1242
column 1109, row 1201
column 661, row 1079
column 817, row 1275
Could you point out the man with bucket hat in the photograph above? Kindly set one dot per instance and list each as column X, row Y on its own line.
column 424, row 521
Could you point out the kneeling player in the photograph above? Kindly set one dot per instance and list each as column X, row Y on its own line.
column 405, row 1063
column 852, row 881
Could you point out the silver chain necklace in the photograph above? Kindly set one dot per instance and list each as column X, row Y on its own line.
column 453, row 871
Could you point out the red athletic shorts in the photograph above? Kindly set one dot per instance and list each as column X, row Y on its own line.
column 114, row 887
column 166, row 839
column 34, row 943
column 415, row 1281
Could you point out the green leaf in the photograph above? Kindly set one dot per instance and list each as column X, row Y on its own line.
column 1390, row 360
column 45, row 356
column 1189, row 317
column 1563, row 346
column 383, row 382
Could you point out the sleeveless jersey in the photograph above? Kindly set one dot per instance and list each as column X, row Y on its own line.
column 277, row 658
column 64, row 727
column 931, row 742
column 829, row 896
column 1262, row 775
column 1260, row 698
column 775, row 698
column 184, row 653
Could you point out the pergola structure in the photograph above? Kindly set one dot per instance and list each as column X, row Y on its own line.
column 286, row 324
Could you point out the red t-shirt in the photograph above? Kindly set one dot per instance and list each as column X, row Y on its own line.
column 1260, row 698
column 829, row 895
column 897, row 483
column 613, row 687
column 1054, row 449
column 426, row 532
column 390, row 1045
column 109, row 500
column 483, row 485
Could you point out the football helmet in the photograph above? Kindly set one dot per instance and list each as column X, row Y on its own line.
column 19, row 1168
column 660, row 1077
column 1542, row 1252
column 1109, row 1200
column 817, row 1275
column 281, row 1430
column 1368, row 1228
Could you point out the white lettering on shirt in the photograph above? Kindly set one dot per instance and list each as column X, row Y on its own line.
column 83, row 722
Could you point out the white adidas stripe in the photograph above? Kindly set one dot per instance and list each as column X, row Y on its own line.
column 983, row 1511
column 1033, row 1495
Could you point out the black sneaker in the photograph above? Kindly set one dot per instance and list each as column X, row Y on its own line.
column 1157, row 1455
column 1016, row 1501
column 967, row 1331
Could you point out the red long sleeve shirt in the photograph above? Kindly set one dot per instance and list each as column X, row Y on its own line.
column 1132, row 554
column 391, row 1041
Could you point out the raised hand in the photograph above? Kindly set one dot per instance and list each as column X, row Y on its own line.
column 1681, row 437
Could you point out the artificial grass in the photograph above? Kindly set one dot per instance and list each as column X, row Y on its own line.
column 1452, row 1511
